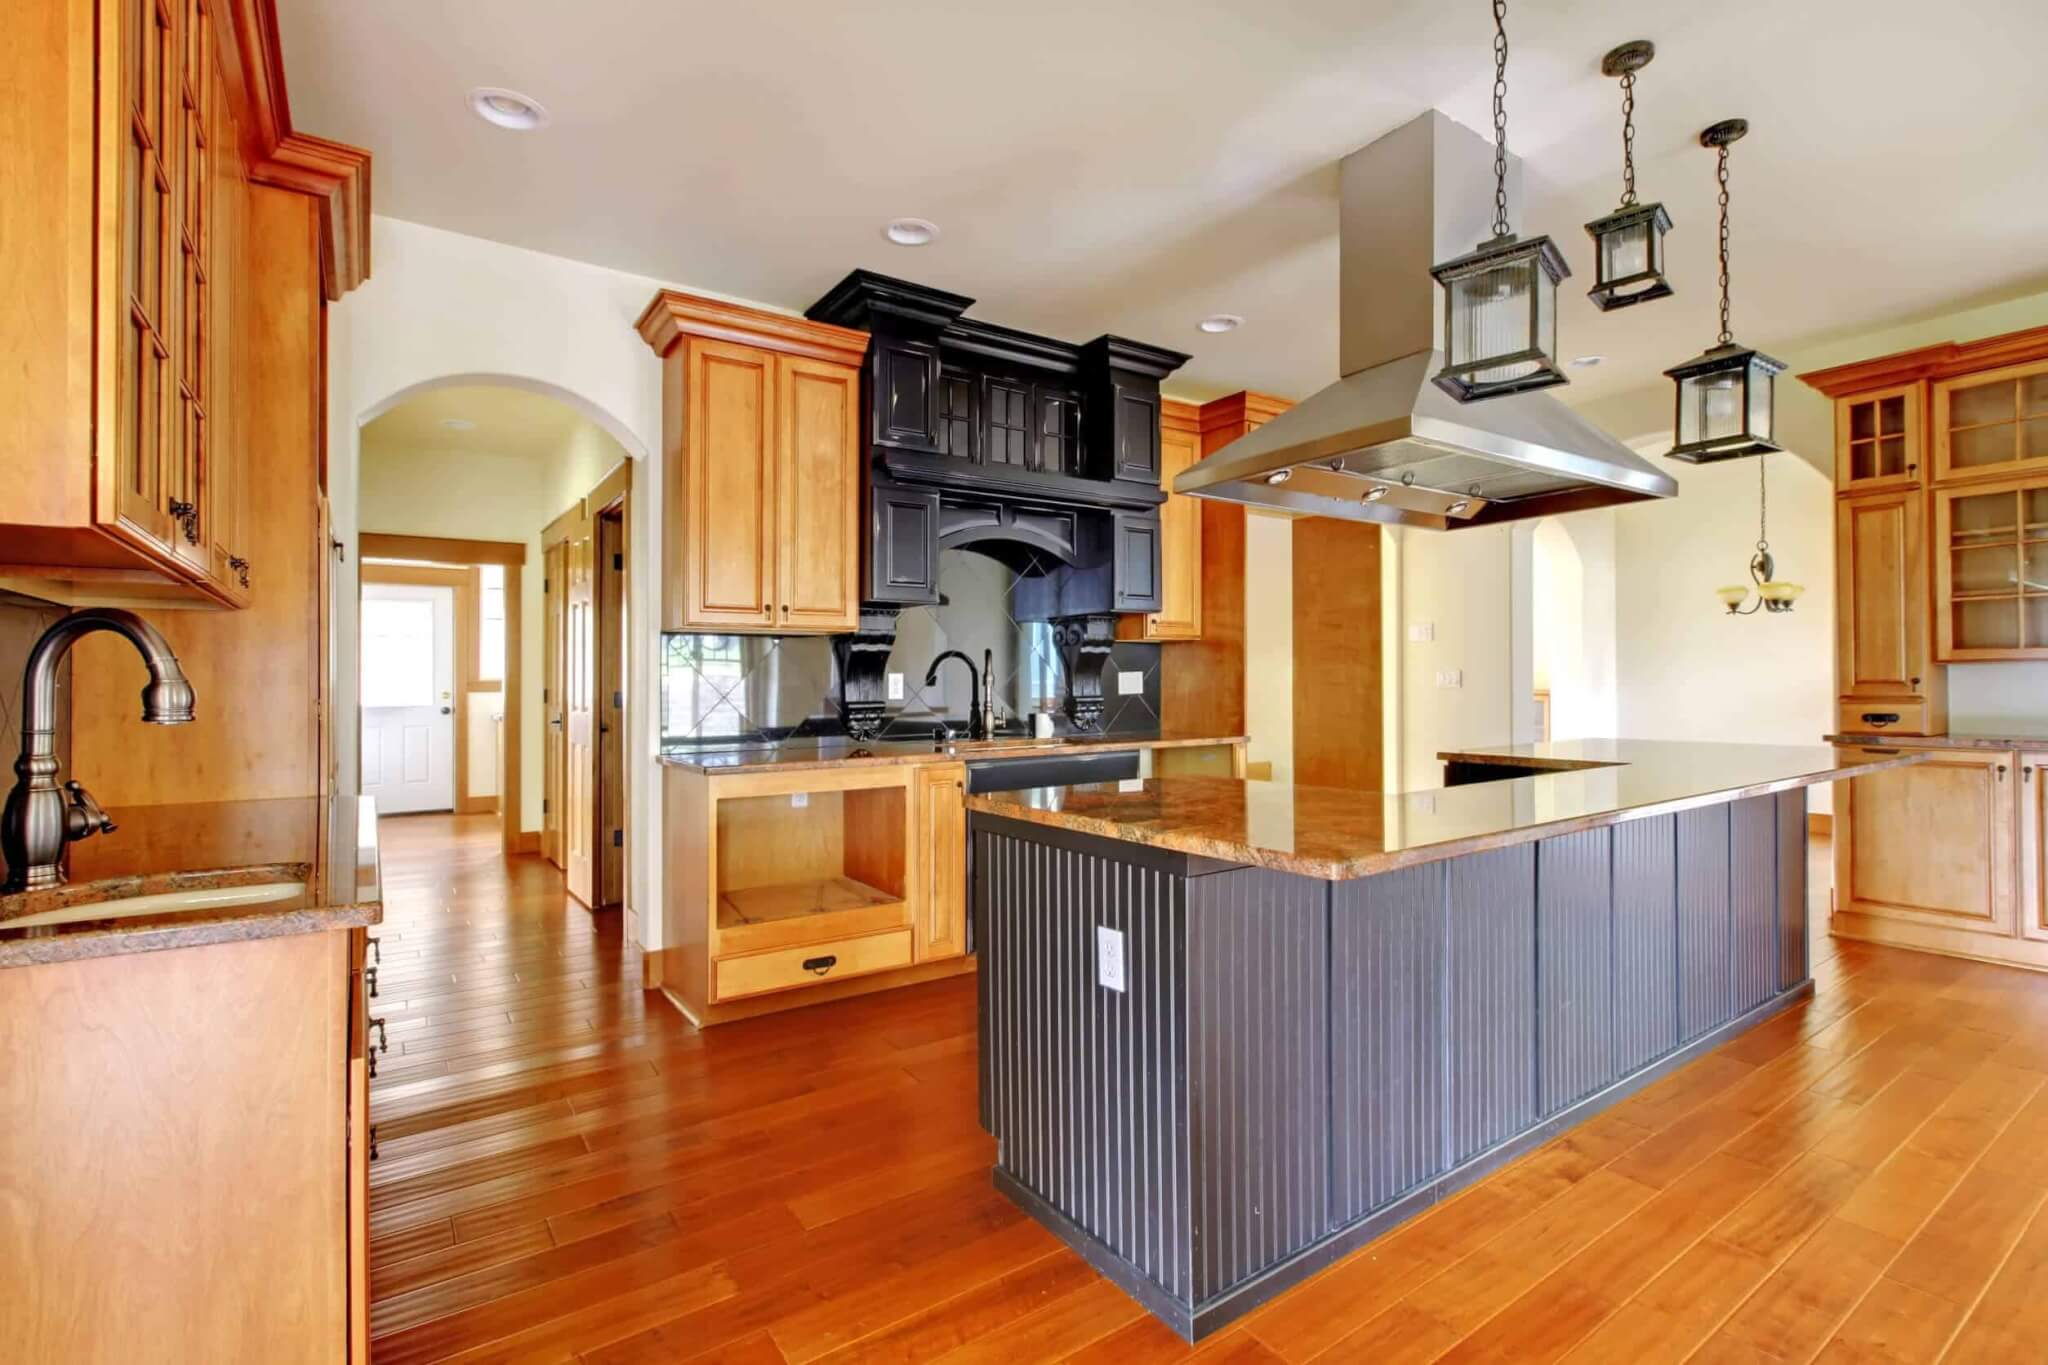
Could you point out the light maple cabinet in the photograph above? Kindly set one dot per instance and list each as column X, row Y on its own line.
column 1992, row 423
column 2033, row 843
column 1179, row 616
column 121, row 468
column 1929, row 849
column 941, row 927
column 1879, row 438
column 761, row 451
column 1881, row 606
column 785, row 887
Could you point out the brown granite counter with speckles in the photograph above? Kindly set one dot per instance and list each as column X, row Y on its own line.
column 238, row 870
column 1340, row 834
column 796, row 754
column 2006, row 735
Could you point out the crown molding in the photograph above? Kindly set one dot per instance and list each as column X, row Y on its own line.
column 1943, row 360
column 672, row 315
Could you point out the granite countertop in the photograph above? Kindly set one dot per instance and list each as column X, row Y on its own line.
column 832, row 753
column 2015, row 734
column 317, row 858
column 1339, row 834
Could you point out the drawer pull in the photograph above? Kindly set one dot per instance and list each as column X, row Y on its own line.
column 383, row 1041
column 1880, row 719
column 1883, row 753
column 818, row 966
column 373, row 1142
column 370, row 977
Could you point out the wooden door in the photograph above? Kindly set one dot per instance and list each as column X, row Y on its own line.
column 729, row 508
column 1878, row 439
column 611, row 714
column 554, row 722
column 941, row 844
column 1881, row 588
column 2033, row 840
column 817, row 484
column 579, row 698
column 1180, row 544
column 1931, row 846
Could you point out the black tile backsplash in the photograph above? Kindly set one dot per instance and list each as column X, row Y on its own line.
column 726, row 689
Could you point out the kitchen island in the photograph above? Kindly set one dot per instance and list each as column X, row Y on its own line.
column 1234, row 1030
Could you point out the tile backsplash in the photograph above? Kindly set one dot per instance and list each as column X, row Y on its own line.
column 22, row 622
column 725, row 689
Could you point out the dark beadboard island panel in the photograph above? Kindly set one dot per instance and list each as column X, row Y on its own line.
column 1293, row 1065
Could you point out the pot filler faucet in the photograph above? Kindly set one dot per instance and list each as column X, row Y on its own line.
column 38, row 821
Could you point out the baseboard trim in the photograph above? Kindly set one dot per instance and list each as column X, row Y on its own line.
column 476, row 805
column 526, row 842
column 1820, row 822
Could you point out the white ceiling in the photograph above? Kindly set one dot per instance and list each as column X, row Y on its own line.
column 1133, row 165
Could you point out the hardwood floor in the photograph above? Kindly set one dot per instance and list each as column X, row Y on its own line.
column 570, row 1172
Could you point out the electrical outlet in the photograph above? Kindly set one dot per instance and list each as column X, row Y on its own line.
column 1450, row 677
column 1109, row 957
column 1129, row 683
column 1130, row 784
column 895, row 687
column 1422, row 632
column 798, row 800
column 1426, row 804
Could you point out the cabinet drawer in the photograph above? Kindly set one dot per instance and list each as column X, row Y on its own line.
column 785, row 969
column 1896, row 716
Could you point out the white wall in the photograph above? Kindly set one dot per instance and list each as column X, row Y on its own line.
column 1269, row 641
column 443, row 308
column 1461, row 588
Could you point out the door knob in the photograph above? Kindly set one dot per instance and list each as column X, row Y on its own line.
column 447, row 710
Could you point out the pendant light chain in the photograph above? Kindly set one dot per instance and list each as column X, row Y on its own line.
column 1500, row 118
column 1721, row 174
column 1763, row 510
column 1628, row 139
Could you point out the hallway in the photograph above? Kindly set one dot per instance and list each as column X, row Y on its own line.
column 569, row 1171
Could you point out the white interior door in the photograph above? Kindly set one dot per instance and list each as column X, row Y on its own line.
column 408, row 696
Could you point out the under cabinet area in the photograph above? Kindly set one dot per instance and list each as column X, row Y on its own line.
column 785, row 887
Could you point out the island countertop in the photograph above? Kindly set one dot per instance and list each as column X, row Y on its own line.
column 1340, row 834
column 835, row 752
column 315, row 863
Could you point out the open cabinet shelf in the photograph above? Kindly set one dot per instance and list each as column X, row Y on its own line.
column 806, row 867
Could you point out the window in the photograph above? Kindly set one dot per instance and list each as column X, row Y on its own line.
column 490, row 623
column 398, row 652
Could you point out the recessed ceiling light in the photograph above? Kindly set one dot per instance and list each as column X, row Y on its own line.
column 1375, row 493
column 458, row 424
column 1587, row 362
column 507, row 108
column 1279, row 476
column 1458, row 508
column 912, row 231
column 1221, row 322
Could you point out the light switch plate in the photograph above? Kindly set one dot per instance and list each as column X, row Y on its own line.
column 1450, row 677
column 895, row 687
column 1129, row 683
column 1422, row 632
column 1109, row 957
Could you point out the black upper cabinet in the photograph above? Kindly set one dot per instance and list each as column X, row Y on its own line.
column 969, row 412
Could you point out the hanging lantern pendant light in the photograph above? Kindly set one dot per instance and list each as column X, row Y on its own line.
column 1772, row 593
column 1628, row 244
column 1500, row 302
column 1726, row 400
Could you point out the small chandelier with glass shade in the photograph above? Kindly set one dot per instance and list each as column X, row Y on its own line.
column 1500, row 301
column 1726, row 399
column 1628, row 244
column 1773, row 594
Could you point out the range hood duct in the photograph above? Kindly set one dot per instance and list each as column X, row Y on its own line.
column 1384, row 443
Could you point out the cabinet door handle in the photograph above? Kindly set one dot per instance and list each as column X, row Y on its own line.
column 2001, row 772
column 2026, row 772
column 818, row 966
column 370, row 980
column 376, row 946
column 1880, row 719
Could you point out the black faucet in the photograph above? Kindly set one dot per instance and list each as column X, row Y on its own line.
column 976, row 724
column 37, row 822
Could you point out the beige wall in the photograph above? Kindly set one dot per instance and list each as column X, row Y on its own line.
column 473, row 496
column 1269, row 641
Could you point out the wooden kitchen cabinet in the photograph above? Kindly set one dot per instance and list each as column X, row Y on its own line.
column 1879, row 438
column 2033, row 845
column 1992, row 424
column 1991, row 570
column 118, row 456
column 786, row 887
column 1179, row 616
column 761, row 449
column 1925, row 855
column 1881, row 607
column 941, row 923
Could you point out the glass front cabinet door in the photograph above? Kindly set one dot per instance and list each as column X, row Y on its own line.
column 1877, row 439
column 1991, row 571
column 1993, row 424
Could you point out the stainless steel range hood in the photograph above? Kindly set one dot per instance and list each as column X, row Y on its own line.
column 1385, row 444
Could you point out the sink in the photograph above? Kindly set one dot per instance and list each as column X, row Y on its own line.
column 163, row 903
